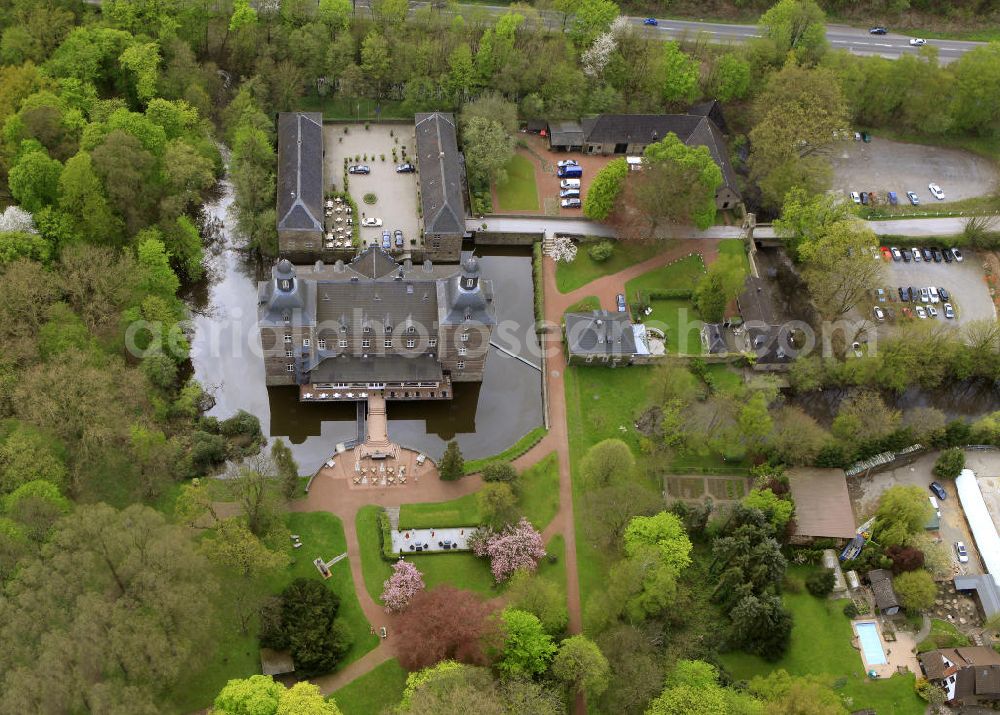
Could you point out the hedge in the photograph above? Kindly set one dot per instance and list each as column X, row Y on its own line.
column 668, row 294
column 536, row 277
column 511, row 453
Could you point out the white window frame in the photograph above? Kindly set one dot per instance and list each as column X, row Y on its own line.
column 306, row 342
column 388, row 342
column 411, row 343
column 463, row 351
column 432, row 342
column 290, row 353
column 465, row 337
column 342, row 343
column 288, row 337
column 290, row 367
column 366, row 343
column 321, row 344
column 460, row 365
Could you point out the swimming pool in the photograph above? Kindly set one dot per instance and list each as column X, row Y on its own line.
column 871, row 644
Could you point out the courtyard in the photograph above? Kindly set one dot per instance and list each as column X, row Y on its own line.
column 395, row 194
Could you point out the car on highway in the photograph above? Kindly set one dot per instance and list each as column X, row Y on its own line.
column 878, row 30
column 651, row 21
column 571, row 203
column 620, row 302
column 567, row 162
column 359, row 169
column 949, row 311
column 961, row 552
column 896, row 255
column 371, row 222
column 956, row 254
column 917, row 42
column 921, row 313
column 879, row 314
column 856, row 197
column 406, row 168
column 938, row 490
column 936, row 191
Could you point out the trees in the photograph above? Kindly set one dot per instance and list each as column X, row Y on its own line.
column 777, row 510
column 916, row 590
column 499, row 472
column 451, row 687
column 692, row 688
column 805, row 215
column 797, row 438
column 527, row 648
column 729, row 78
column 638, row 669
column 761, row 625
column 452, row 465
column 679, row 71
column 517, row 546
column 399, row 589
column 304, row 621
column 721, row 283
column 497, row 504
column 286, row 466
column 443, row 623
column 787, row 695
column 820, row 583
column 600, row 251
column 677, row 184
column 590, row 19
column 34, row 177
column 949, row 463
column 838, row 267
column 604, row 190
column 799, row 114
column 261, row 695
column 663, row 531
column 902, row 510
column 581, row 665
column 608, row 461
column 256, row 489
column 540, row 596
column 864, row 416
column 796, row 26
column 975, row 105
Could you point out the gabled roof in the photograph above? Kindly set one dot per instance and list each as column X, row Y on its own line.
column 881, row 583
column 378, row 368
column 712, row 339
column 440, row 166
column 637, row 128
column 566, row 133
column 600, row 332
column 374, row 262
column 822, row 503
column 300, row 171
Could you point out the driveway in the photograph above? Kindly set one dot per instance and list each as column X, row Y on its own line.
column 884, row 165
column 396, row 194
column 965, row 283
column 865, row 493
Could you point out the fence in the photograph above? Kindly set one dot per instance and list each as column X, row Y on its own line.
column 881, row 460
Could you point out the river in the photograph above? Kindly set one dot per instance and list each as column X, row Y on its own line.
column 484, row 418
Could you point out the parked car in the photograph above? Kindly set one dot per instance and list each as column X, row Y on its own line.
column 916, row 254
column 914, row 199
column 569, row 194
column 938, row 256
column 914, row 294
column 921, row 313
column 878, row 30
column 569, row 184
column 651, row 21
column 938, row 490
column 359, row 169
column 925, row 295
column 935, row 506
column 886, row 253
column 880, row 295
column 567, row 162
column 896, row 255
column 949, row 312
column 932, row 311
column 406, row 168
column 879, row 314
column 945, row 295
column 928, row 257
column 620, row 300
column 386, row 240
column 856, row 197
column 571, row 203
column 935, row 298
column 907, row 255
column 864, row 198
column 956, row 254
column 570, row 172
column 946, row 254
column 857, row 136
column 866, row 137
column 917, row 42
column 398, row 236
column 904, row 294
column 893, row 198
column 936, row 191
column 371, row 222
column 961, row 552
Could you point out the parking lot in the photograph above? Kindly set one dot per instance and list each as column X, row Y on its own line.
column 965, row 283
column 545, row 162
column 865, row 493
column 396, row 194
column 884, row 165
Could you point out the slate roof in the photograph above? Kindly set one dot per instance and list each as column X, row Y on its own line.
column 374, row 304
column 977, row 670
column 378, row 368
column 276, row 304
column 600, row 332
column 566, row 133
column 712, row 339
column 300, row 171
column 881, row 583
column 440, row 166
column 459, row 305
column 373, row 263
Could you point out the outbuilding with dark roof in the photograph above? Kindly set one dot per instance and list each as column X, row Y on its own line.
column 442, row 184
column 300, row 181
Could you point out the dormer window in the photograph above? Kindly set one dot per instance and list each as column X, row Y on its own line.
column 287, row 316
column 411, row 330
column 368, row 329
column 343, row 328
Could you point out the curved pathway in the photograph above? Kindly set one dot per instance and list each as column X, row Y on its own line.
column 344, row 500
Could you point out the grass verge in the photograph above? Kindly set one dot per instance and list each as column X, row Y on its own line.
column 540, row 491
column 943, row 635
column 511, row 453
column 463, row 511
column 585, row 305
column 378, row 689
column 375, row 569
column 519, row 193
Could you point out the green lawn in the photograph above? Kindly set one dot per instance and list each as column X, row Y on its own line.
column 519, row 193
column 683, row 273
column 556, row 573
column 585, row 305
column 461, row 569
column 570, row 276
column 821, row 645
column 540, row 491
column 237, row 655
column 463, row 511
column 735, row 247
column 379, row 688
column 943, row 635
column 723, row 378
column 352, row 109
column 674, row 316
column 373, row 566
column 513, row 452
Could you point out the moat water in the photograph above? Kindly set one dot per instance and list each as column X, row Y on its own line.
column 484, row 418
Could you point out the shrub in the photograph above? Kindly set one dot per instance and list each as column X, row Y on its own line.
column 820, row 583
column 369, row 198
column 793, row 584
column 499, row 472
column 600, row 252
column 305, row 621
column 604, row 190
column 851, row 609
column 949, row 464
column 916, row 590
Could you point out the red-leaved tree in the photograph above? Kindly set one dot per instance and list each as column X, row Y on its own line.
column 397, row 590
column 518, row 546
column 445, row 623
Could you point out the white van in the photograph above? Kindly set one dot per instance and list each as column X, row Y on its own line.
column 935, row 298
column 935, row 506
column 569, row 184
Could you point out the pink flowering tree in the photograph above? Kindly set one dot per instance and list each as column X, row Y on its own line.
column 518, row 546
column 397, row 590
